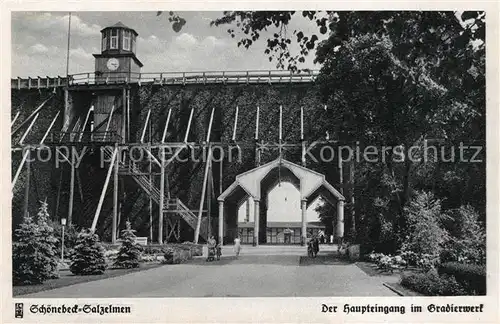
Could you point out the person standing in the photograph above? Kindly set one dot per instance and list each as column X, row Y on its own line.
column 237, row 246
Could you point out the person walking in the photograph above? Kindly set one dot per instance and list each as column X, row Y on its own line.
column 237, row 246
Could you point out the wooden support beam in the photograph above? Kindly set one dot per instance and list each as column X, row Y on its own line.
column 257, row 124
column 109, row 122
column 123, row 132
column 235, row 124
column 71, row 190
column 128, row 115
column 25, row 154
column 15, row 118
column 105, row 187
column 85, row 122
column 280, row 126
column 79, row 181
column 115, row 200
column 33, row 114
column 20, row 167
column 162, row 203
column 189, row 125
column 203, row 190
column 166, row 126
column 49, row 128
column 29, row 129
column 301, row 123
column 145, row 125
column 150, row 209
column 210, row 125
column 27, row 185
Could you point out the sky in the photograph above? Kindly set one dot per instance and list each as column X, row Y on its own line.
column 40, row 40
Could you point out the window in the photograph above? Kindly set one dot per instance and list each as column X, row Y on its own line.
column 133, row 43
column 105, row 41
column 114, row 39
column 126, row 40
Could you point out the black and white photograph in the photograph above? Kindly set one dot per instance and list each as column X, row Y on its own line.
column 233, row 154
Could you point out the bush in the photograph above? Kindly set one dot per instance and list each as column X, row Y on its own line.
column 424, row 216
column 471, row 277
column 88, row 257
column 468, row 244
column 130, row 252
column 432, row 284
column 34, row 255
column 70, row 237
column 169, row 256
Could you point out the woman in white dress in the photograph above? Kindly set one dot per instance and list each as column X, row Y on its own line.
column 237, row 246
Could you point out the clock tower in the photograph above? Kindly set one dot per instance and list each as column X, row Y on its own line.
column 117, row 62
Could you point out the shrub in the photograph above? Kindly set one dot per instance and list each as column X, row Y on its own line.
column 423, row 216
column 468, row 244
column 70, row 237
column 34, row 256
column 471, row 277
column 88, row 257
column 432, row 284
column 130, row 252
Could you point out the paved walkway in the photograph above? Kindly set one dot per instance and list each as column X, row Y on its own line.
column 258, row 272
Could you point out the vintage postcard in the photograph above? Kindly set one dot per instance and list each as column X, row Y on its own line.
column 295, row 162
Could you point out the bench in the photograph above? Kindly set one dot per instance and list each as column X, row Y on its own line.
column 139, row 240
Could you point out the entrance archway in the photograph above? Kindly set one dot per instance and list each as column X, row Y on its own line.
column 256, row 184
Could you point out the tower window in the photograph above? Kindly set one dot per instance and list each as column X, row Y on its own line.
column 126, row 40
column 133, row 44
column 105, row 41
column 114, row 39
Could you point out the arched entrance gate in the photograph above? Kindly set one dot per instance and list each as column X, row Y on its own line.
column 256, row 183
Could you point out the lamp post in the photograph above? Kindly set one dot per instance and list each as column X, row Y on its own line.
column 63, row 223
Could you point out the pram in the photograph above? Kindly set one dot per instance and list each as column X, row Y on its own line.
column 214, row 252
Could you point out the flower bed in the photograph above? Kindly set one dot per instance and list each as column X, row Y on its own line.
column 169, row 253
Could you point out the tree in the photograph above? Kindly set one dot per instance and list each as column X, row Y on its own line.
column 427, row 28
column 424, row 234
column 34, row 255
column 390, row 78
column 88, row 256
column 130, row 251
column 468, row 238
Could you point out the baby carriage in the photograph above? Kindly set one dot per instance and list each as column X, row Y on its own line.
column 214, row 252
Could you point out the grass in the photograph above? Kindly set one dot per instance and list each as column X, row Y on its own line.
column 68, row 279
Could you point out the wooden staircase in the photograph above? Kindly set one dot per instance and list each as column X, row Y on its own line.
column 173, row 205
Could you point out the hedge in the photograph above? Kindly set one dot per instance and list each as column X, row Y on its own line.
column 472, row 277
column 432, row 284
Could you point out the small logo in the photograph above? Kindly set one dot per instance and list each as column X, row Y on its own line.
column 19, row 310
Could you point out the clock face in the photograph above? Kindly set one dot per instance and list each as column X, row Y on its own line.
column 113, row 64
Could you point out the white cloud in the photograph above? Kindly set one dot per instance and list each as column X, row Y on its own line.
column 39, row 48
column 80, row 53
column 56, row 24
column 186, row 40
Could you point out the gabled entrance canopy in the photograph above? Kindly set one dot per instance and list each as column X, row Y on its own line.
column 310, row 184
column 309, row 181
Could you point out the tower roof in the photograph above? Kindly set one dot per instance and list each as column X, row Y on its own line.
column 120, row 25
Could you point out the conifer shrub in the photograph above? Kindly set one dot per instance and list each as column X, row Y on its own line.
column 129, row 253
column 34, row 255
column 88, row 255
